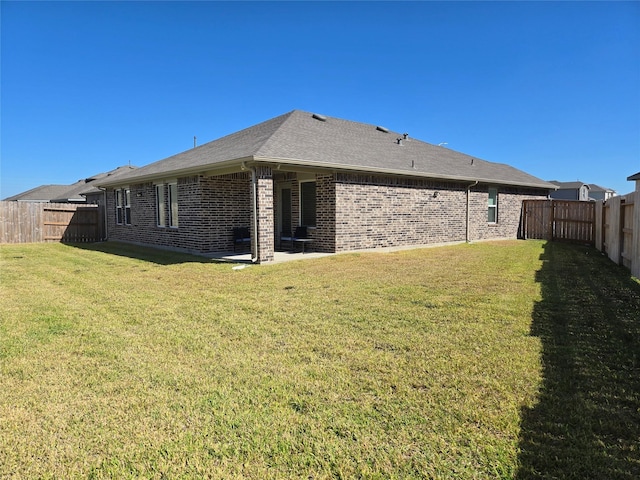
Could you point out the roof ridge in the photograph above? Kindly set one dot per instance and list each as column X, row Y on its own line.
column 311, row 139
column 262, row 147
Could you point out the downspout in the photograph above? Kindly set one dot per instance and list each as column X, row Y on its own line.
column 254, row 206
column 468, row 216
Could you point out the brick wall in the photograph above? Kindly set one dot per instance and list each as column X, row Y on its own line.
column 208, row 209
column 325, row 233
column 265, row 198
column 352, row 212
column 377, row 211
column 509, row 211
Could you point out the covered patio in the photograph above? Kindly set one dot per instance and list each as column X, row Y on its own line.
column 279, row 256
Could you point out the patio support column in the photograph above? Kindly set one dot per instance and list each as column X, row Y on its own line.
column 265, row 235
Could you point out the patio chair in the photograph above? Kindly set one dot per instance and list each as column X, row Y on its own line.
column 286, row 236
column 301, row 236
column 241, row 237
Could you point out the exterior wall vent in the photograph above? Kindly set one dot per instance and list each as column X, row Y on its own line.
column 382, row 129
column 322, row 118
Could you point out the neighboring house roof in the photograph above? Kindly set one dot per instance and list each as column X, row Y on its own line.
column 577, row 185
column 43, row 193
column 68, row 193
column 569, row 185
column 597, row 188
column 89, row 187
column 304, row 139
column 635, row 176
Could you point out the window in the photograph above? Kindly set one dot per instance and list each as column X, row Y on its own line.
column 123, row 206
column 308, row 204
column 161, row 214
column 173, row 204
column 119, row 207
column 127, row 207
column 492, row 214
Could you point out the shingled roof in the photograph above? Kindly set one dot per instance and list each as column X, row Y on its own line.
column 43, row 193
column 569, row 185
column 69, row 193
column 303, row 139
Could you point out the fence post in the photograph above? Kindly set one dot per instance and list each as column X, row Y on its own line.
column 598, row 226
column 613, row 237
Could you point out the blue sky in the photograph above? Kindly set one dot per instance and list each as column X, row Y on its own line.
column 550, row 88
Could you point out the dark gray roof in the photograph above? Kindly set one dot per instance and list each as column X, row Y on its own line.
column 89, row 185
column 597, row 188
column 569, row 185
column 635, row 176
column 43, row 193
column 68, row 193
column 303, row 139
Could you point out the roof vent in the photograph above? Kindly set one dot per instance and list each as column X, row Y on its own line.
column 322, row 118
column 399, row 140
column 405, row 135
column 382, row 129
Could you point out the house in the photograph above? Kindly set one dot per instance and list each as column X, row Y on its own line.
column 82, row 191
column 570, row 190
column 636, row 178
column 580, row 191
column 354, row 185
column 596, row 192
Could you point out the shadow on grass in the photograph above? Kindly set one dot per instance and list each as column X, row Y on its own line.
column 586, row 424
column 147, row 254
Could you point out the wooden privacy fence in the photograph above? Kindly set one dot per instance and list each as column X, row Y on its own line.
column 612, row 227
column 618, row 230
column 570, row 220
column 25, row 222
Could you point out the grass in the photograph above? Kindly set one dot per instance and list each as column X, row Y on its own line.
column 123, row 362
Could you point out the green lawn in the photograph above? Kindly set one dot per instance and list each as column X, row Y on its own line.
column 493, row 360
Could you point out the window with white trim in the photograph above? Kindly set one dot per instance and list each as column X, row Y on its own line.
column 123, row 206
column 127, row 207
column 119, row 207
column 173, row 205
column 492, row 206
column 161, row 209
column 308, row 204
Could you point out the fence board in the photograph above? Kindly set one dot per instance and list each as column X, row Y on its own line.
column 25, row 222
column 635, row 237
column 626, row 222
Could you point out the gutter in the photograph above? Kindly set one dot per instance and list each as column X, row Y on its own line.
column 394, row 171
column 254, row 206
column 467, row 219
column 135, row 176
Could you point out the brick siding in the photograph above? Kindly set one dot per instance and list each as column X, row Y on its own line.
column 353, row 212
column 208, row 209
column 377, row 211
column 265, row 197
